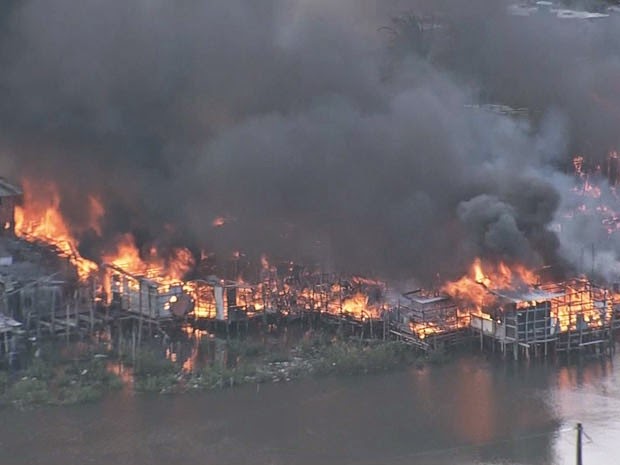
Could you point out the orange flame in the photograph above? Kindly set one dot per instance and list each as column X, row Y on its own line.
column 472, row 289
column 41, row 220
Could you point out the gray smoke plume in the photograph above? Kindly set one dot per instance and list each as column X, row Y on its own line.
column 316, row 134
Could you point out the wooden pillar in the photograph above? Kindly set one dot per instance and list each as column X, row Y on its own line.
column 67, row 323
column 53, row 312
column 579, row 436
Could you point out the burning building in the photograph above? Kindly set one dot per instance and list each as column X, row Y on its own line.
column 427, row 320
column 515, row 311
column 146, row 298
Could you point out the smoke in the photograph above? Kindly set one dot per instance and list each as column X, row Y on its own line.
column 317, row 136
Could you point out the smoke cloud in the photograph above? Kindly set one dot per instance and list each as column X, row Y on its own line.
column 316, row 135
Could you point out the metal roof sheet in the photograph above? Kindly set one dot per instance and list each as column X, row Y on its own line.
column 8, row 190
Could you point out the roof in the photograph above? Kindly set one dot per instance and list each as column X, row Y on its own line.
column 547, row 7
column 8, row 190
column 8, row 324
column 526, row 295
column 427, row 300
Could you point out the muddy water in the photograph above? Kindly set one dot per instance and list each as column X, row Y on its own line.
column 471, row 411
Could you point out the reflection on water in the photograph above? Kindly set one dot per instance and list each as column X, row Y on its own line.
column 471, row 411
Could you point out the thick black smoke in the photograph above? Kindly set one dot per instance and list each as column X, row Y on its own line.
column 316, row 135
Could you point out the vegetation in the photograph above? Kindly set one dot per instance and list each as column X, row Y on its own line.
column 57, row 381
column 59, row 378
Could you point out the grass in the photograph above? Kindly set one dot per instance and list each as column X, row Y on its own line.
column 354, row 357
column 53, row 379
column 319, row 355
column 155, row 373
column 65, row 382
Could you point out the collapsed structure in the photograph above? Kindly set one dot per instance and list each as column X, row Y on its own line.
column 47, row 287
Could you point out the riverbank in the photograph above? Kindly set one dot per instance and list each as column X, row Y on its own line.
column 57, row 376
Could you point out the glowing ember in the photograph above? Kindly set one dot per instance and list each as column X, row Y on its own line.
column 219, row 222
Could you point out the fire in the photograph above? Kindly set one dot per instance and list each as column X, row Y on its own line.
column 424, row 330
column 127, row 256
column 574, row 305
column 472, row 289
column 41, row 220
column 580, row 306
column 356, row 305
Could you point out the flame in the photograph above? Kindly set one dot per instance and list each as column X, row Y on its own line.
column 423, row 330
column 581, row 305
column 472, row 289
column 41, row 220
column 127, row 256
column 574, row 305
column 356, row 305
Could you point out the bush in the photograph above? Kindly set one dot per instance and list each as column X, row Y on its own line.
column 29, row 391
column 149, row 363
column 75, row 393
column 278, row 356
column 39, row 369
column 354, row 357
column 246, row 348
column 156, row 383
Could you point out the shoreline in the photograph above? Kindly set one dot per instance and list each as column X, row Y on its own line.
column 57, row 378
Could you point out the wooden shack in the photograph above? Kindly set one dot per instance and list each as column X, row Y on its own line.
column 572, row 315
column 520, row 318
column 223, row 300
column 146, row 298
column 427, row 320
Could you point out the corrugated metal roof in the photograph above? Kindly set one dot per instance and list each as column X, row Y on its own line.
column 8, row 190
column 8, row 324
column 526, row 295
column 427, row 300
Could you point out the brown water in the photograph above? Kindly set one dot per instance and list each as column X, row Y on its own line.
column 468, row 412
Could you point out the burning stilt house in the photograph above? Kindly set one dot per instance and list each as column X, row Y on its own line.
column 564, row 316
column 427, row 320
column 517, row 318
column 144, row 297
column 223, row 300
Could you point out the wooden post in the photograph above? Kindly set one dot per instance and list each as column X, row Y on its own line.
column 67, row 322
column 579, row 435
column 133, row 342
column 53, row 312
column 385, row 317
column 91, row 314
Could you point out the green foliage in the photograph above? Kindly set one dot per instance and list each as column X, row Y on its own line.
column 162, row 383
column 246, row 348
column 77, row 393
column 218, row 376
column 277, row 356
column 353, row 357
column 39, row 369
column 150, row 363
column 29, row 391
column 62, row 383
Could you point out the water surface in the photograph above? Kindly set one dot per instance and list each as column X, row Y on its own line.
column 471, row 411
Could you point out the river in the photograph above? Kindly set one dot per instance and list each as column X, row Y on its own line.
column 470, row 411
